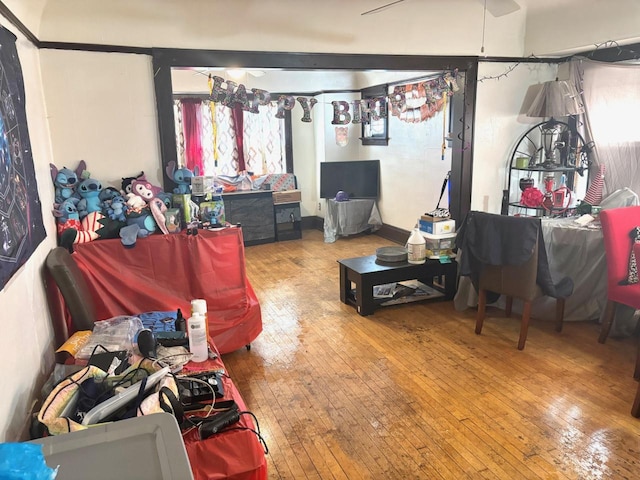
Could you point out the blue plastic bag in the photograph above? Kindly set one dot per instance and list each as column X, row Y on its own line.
column 22, row 461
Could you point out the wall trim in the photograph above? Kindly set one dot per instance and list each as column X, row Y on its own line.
column 388, row 232
column 15, row 21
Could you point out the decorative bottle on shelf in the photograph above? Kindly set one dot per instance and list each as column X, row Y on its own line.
column 197, row 338
column 416, row 247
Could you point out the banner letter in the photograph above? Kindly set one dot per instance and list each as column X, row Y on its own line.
column 340, row 109
column 285, row 102
column 306, row 104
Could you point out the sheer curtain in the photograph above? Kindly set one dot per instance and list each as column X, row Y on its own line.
column 225, row 141
column 264, row 141
column 611, row 96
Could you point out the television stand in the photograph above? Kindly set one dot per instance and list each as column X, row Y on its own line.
column 354, row 216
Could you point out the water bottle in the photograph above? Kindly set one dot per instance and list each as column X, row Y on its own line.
column 198, row 338
column 416, row 247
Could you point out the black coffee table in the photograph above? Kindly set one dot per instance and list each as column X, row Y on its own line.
column 366, row 272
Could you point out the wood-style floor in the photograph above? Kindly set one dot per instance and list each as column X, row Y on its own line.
column 412, row 393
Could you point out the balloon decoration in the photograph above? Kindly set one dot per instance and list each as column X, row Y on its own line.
column 342, row 136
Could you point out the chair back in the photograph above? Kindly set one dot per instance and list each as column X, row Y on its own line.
column 67, row 276
column 617, row 224
column 517, row 281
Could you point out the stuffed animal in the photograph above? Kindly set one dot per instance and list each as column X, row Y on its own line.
column 89, row 191
column 143, row 193
column 70, row 229
column 182, row 176
column 144, row 189
column 117, row 208
column 127, row 181
column 66, row 180
column 166, row 198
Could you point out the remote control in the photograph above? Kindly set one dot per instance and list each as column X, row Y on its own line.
column 217, row 422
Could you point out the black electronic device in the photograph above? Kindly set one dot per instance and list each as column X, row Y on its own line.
column 172, row 339
column 217, row 422
column 358, row 178
column 193, row 388
column 110, row 362
column 146, row 343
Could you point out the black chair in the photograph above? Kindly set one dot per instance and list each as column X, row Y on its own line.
column 63, row 276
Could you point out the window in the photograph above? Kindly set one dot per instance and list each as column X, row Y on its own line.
column 220, row 140
column 375, row 125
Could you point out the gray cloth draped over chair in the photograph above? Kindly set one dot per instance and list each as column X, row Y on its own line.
column 489, row 239
column 506, row 255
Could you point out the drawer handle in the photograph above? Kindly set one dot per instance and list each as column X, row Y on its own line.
column 292, row 217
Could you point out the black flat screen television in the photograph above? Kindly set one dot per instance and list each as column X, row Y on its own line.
column 358, row 178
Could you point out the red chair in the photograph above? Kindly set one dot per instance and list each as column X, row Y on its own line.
column 617, row 223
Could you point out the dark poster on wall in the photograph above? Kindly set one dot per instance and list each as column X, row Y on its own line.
column 21, row 227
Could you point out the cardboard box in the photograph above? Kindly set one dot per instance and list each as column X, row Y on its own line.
column 439, row 245
column 429, row 218
column 438, row 228
column 200, row 186
column 213, row 212
column 287, row 196
column 183, row 202
column 173, row 220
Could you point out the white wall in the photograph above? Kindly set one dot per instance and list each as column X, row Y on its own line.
column 304, row 162
column 568, row 28
column 102, row 109
column 27, row 335
column 499, row 123
column 411, row 170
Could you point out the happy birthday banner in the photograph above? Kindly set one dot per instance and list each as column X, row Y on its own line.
column 415, row 102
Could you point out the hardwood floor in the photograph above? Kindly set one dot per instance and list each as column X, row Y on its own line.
column 412, row 393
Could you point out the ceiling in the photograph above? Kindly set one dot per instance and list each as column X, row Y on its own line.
column 414, row 27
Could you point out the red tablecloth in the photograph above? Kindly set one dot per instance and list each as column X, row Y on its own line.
column 165, row 272
column 235, row 454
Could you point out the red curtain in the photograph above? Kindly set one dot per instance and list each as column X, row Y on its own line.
column 238, row 119
column 192, row 124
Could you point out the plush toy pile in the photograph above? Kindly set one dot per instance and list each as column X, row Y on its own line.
column 87, row 211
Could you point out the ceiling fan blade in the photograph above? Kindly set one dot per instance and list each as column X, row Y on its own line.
column 499, row 8
column 368, row 12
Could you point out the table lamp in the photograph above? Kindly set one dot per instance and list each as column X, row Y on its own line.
column 557, row 98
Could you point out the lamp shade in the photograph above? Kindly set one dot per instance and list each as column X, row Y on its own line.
column 557, row 98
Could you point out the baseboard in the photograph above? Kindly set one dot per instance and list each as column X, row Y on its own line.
column 312, row 223
column 395, row 234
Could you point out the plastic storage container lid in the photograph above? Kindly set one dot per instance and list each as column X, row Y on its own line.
column 442, row 236
column 145, row 448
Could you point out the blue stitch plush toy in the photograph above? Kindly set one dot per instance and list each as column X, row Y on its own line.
column 182, row 177
column 66, row 180
column 117, row 209
column 89, row 191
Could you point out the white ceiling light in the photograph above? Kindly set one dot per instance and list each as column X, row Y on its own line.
column 236, row 73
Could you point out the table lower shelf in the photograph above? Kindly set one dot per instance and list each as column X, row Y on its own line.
column 365, row 275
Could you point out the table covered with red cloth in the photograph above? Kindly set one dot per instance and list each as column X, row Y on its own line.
column 233, row 454
column 166, row 272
